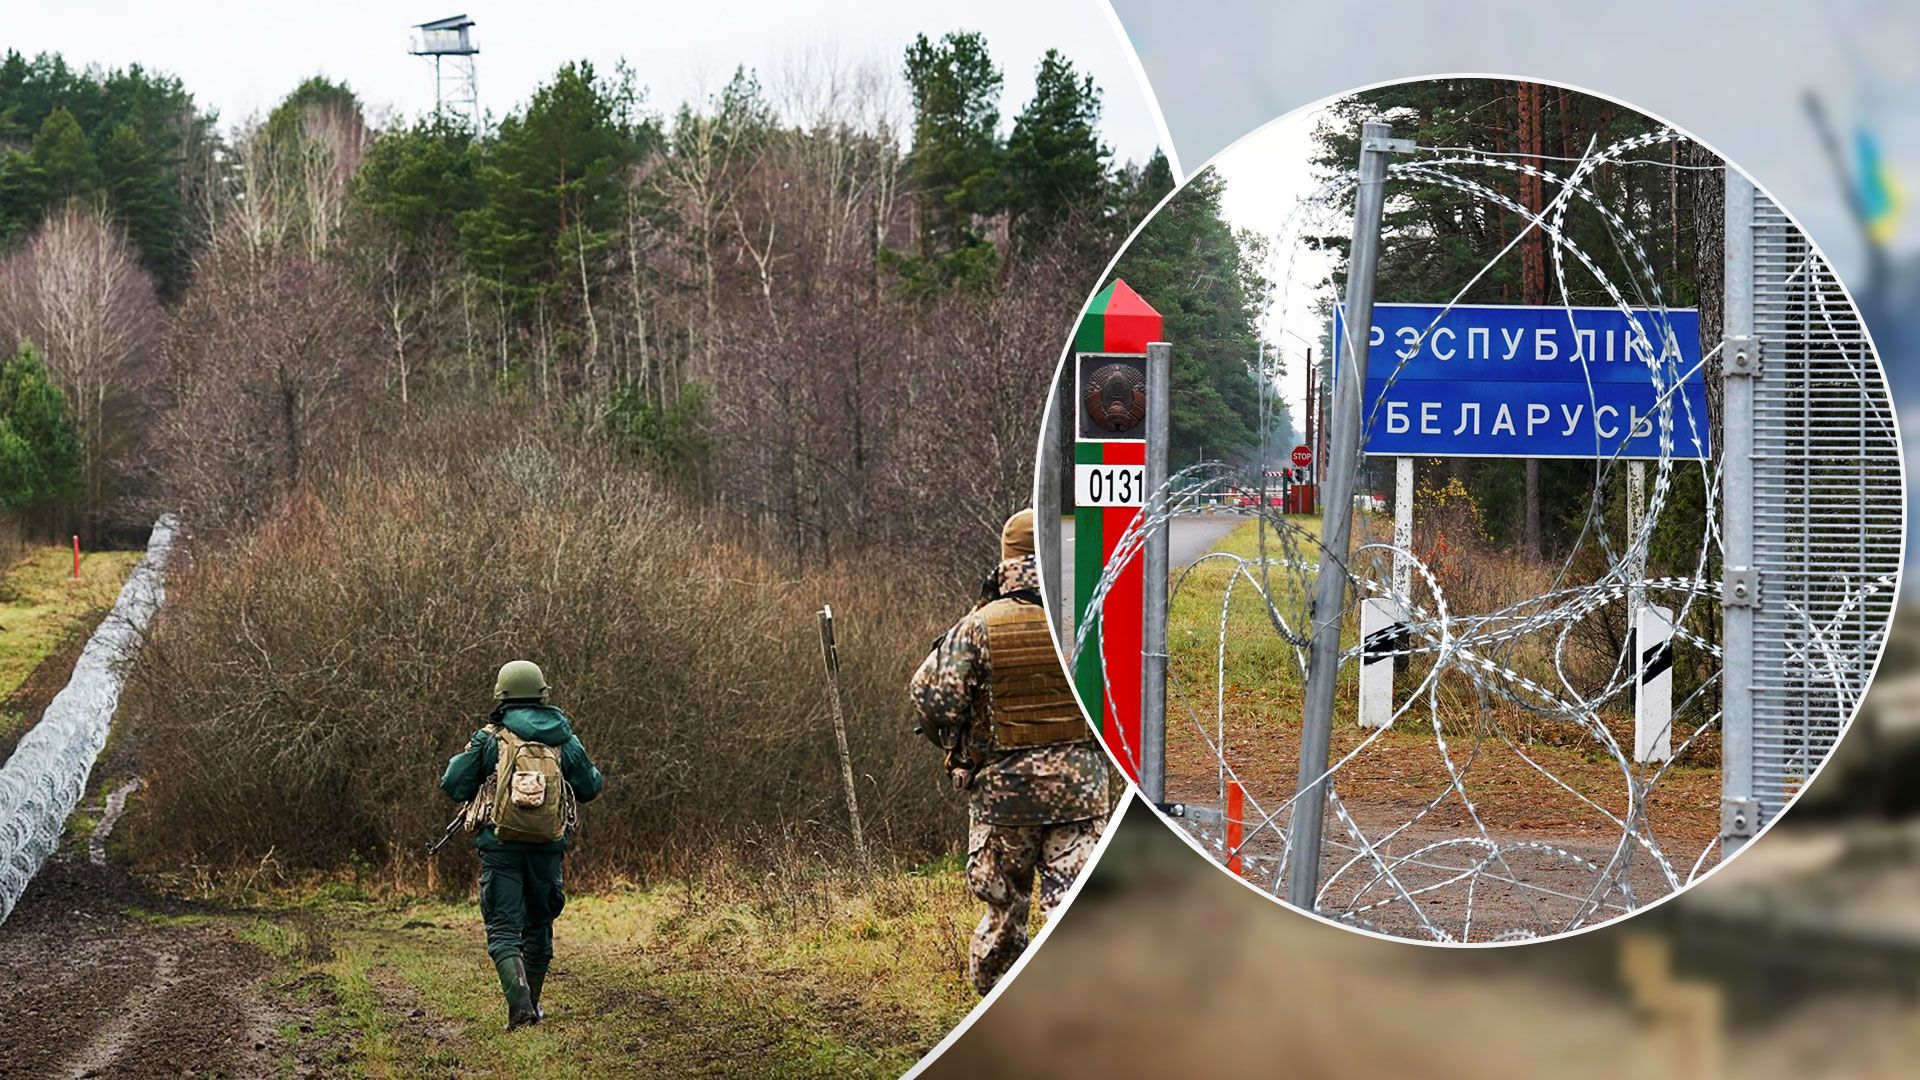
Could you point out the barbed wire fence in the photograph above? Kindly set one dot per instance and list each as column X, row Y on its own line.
column 1432, row 864
column 47, row 774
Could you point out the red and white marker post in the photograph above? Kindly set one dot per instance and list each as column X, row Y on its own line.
column 1109, row 491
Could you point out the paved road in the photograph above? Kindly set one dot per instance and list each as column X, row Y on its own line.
column 1193, row 536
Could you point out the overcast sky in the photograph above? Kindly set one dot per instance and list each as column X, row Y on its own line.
column 1731, row 72
column 1267, row 178
column 241, row 58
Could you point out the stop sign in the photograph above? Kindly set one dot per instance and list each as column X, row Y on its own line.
column 1302, row 456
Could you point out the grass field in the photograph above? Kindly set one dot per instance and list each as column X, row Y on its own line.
column 44, row 609
column 1264, row 681
column 674, row 980
column 793, row 968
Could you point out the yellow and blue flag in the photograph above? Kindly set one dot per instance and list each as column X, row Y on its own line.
column 1881, row 195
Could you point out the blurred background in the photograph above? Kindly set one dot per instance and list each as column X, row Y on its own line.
column 1802, row 958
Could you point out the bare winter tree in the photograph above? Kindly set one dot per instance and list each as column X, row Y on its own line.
column 266, row 362
column 333, row 141
column 78, row 293
column 698, row 179
column 290, row 185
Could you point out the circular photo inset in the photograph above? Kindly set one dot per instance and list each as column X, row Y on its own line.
column 1482, row 510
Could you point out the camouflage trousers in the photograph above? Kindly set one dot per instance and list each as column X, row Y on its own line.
column 1001, row 863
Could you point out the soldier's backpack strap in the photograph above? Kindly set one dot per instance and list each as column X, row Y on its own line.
column 502, row 738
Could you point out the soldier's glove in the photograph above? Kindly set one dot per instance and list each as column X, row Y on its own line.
column 962, row 779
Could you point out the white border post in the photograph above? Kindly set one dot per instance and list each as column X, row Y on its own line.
column 1383, row 636
column 1383, row 619
column 1653, row 685
column 1649, row 637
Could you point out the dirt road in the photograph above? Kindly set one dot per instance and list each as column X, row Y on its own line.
column 1191, row 536
column 99, row 979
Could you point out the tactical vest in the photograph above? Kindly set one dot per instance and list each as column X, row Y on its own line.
column 1031, row 703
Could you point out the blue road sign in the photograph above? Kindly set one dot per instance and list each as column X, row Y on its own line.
column 1491, row 380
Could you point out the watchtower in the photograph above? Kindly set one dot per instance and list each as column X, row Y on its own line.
column 449, row 42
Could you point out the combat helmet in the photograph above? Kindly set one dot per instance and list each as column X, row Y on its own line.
column 520, row 680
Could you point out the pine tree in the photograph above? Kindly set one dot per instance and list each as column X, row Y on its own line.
column 418, row 180
column 23, row 194
column 138, row 194
column 40, row 453
column 1056, row 164
column 128, row 134
column 554, row 167
column 553, row 185
column 64, row 156
column 1205, row 281
column 956, row 161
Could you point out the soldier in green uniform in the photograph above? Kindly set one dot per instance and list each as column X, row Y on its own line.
column 994, row 696
column 522, row 775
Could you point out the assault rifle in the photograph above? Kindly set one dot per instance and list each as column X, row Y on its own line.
column 459, row 818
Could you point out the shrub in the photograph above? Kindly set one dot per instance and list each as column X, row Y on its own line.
column 307, row 681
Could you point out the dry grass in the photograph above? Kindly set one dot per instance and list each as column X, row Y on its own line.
column 1264, row 692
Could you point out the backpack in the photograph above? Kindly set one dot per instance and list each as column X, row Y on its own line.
column 531, row 802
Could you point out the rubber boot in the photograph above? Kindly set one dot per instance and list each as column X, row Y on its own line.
column 536, row 978
column 513, row 982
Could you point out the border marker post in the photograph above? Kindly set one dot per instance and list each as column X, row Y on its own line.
column 830, row 659
column 1109, row 467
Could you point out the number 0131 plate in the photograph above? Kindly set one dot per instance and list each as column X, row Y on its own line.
column 1109, row 485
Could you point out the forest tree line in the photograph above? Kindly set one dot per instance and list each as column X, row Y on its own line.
column 631, row 389
column 813, row 303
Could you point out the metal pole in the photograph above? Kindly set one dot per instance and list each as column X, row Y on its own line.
column 1313, row 448
column 1636, row 512
column 1403, row 532
column 1153, row 628
column 1051, row 559
column 1739, row 813
column 1343, row 460
column 1260, row 366
column 830, row 658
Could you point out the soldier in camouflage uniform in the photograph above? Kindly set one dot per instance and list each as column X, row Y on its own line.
column 994, row 696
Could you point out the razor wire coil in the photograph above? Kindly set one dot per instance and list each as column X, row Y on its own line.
column 1426, row 872
column 46, row 776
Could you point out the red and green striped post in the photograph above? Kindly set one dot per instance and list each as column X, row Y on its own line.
column 1117, row 321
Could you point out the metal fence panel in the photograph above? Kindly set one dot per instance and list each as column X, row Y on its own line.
column 1826, row 501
